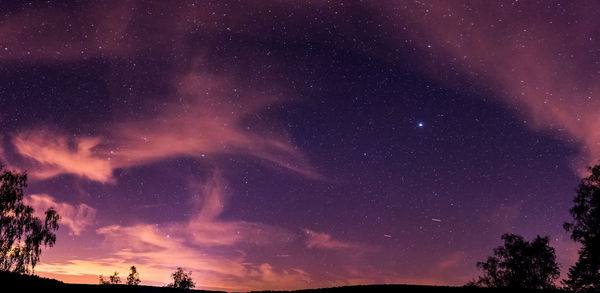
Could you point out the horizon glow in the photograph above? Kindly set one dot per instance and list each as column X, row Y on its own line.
column 272, row 145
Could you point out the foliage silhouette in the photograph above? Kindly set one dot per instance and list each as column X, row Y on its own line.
column 114, row 279
column 585, row 229
column 21, row 233
column 181, row 280
column 134, row 277
column 103, row 281
column 520, row 264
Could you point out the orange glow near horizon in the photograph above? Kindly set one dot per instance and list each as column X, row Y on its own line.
column 280, row 145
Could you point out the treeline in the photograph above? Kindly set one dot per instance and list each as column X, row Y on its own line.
column 532, row 265
column 181, row 279
column 22, row 235
column 516, row 264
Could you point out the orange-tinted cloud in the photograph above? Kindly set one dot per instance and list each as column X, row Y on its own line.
column 157, row 251
column 75, row 217
column 57, row 155
column 194, row 244
column 208, row 271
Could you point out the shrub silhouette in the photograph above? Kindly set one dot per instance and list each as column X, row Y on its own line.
column 585, row 229
column 22, row 235
column 182, row 280
column 103, row 281
column 520, row 264
column 112, row 280
column 134, row 277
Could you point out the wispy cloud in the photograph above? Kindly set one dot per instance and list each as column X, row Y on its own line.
column 157, row 251
column 75, row 217
column 209, row 271
column 205, row 121
column 208, row 119
column 195, row 244
column 326, row 241
column 56, row 155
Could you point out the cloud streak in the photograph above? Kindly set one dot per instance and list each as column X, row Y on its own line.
column 326, row 241
column 207, row 120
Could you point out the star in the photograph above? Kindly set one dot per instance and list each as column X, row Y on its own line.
column 420, row 124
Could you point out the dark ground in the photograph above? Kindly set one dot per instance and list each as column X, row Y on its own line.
column 11, row 282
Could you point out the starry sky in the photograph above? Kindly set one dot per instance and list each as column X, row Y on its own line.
column 298, row 144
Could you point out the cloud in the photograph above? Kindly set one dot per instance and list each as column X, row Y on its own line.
column 205, row 228
column 448, row 264
column 208, row 119
column 325, row 241
column 205, row 119
column 156, row 257
column 57, row 155
column 567, row 252
column 195, row 244
column 75, row 217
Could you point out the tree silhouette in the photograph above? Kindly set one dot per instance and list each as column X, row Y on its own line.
column 134, row 277
column 520, row 264
column 115, row 279
column 585, row 229
column 21, row 233
column 182, row 280
column 112, row 280
column 103, row 281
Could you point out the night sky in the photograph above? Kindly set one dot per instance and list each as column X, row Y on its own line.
column 298, row 144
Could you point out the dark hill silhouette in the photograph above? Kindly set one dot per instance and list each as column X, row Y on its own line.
column 414, row 288
column 28, row 283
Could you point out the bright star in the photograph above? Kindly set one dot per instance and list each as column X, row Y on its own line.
column 420, row 124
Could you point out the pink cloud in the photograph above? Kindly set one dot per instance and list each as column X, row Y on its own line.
column 194, row 244
column 55, row 155
column 452, row 267
column 75, row 217
column 206, row 120
column 205, row 227
column 567, row 252
column 325, row 241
